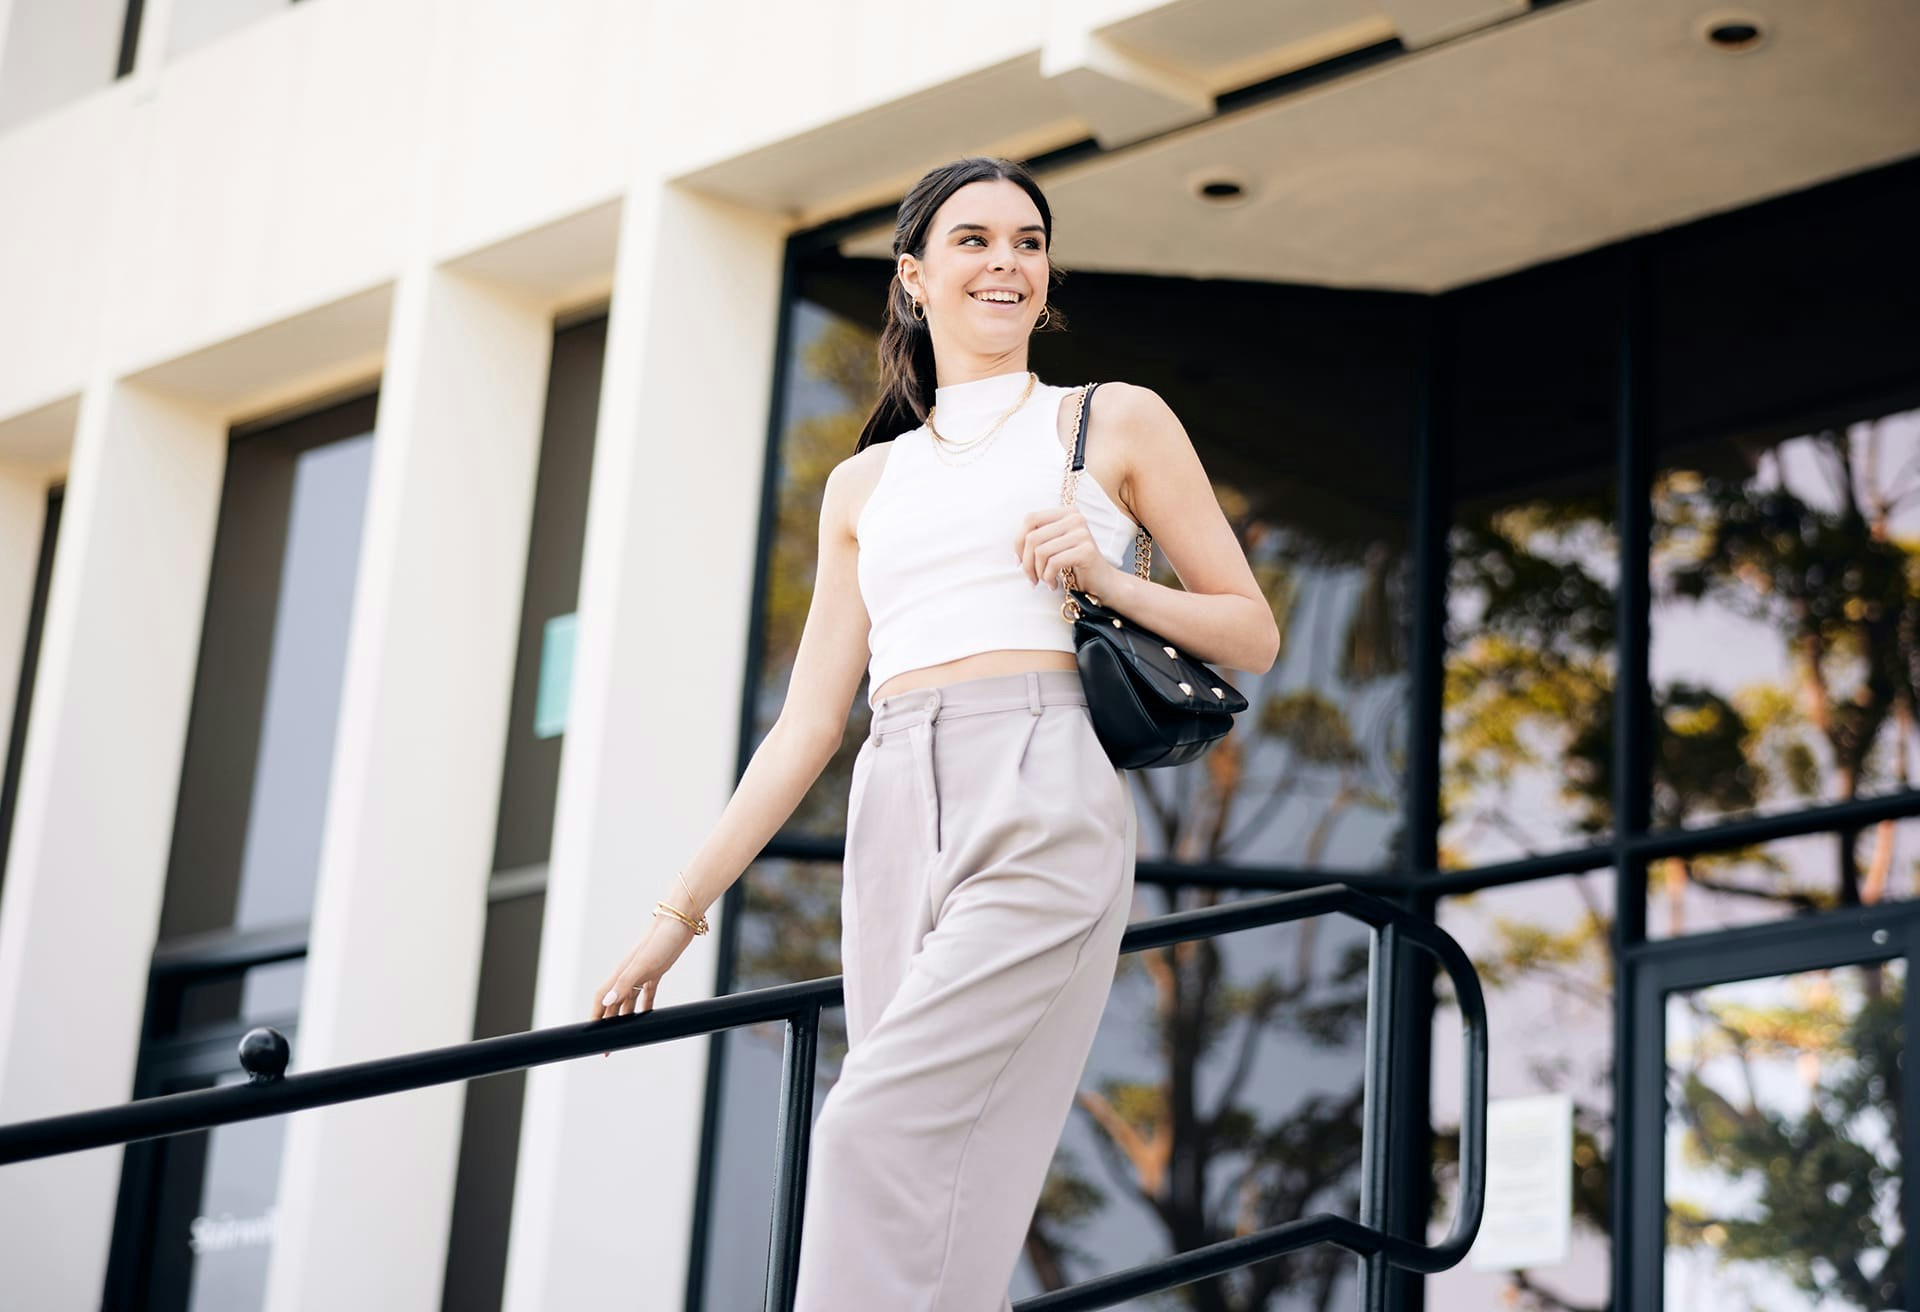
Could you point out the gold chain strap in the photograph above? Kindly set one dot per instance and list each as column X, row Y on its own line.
column 1069, row 484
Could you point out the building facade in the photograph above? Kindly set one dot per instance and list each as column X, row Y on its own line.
column 413, row 418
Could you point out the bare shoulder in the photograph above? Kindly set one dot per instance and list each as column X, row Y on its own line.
column 1140, row 429
column 850, row 483
column 1135, row 411
column 1120, row 411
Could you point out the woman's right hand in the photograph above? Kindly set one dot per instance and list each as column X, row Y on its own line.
column 635, row 982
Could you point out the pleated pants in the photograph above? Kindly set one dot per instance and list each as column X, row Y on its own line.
column 987, row 880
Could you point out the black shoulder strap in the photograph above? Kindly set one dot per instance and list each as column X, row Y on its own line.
column 1080, row 446
column 1080, row 438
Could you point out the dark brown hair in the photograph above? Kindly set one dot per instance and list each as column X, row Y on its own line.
column 906, row 347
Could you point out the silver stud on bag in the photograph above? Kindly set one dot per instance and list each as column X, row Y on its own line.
column 1171, row 652
column 1116, row 624
column 1217, row 693
column 1187, row 688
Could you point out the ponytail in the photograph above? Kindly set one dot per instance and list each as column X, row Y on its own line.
column 906, row 371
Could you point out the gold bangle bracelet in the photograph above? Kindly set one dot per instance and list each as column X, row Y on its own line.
column 665, row 909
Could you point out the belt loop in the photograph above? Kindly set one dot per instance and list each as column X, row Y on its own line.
column 1033, row 692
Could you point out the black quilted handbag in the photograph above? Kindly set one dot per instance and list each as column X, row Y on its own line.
column 1150, row 705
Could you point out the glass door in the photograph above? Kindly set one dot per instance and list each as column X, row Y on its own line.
column 1772, row 1123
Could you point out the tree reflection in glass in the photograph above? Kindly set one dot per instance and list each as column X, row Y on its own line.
column 1783, row 1158
column 1311, row 775
column 1527, row 729
column 1786, row 648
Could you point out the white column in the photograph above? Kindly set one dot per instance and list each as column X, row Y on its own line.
column 23, row 523
column 604, row 1191
column 99, row 779
column 366, row 1189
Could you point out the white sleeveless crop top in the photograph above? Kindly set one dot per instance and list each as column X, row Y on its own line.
column 937, row 567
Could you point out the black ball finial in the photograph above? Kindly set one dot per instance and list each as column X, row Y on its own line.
column 264, row 1053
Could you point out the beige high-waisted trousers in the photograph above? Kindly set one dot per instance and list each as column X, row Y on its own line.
column 987, row 880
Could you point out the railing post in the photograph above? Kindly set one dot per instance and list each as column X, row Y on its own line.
column 792, row 1137
column 1376, row 1153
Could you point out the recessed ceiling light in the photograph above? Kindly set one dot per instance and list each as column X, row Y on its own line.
column 1219, row 189
column 1733, row 33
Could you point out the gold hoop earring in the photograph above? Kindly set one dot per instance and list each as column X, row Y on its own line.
column 918, row 312
column 1046, row 314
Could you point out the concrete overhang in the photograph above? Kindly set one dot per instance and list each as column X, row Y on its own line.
column 1484, row 137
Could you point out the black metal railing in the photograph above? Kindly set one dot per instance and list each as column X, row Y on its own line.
column 272, row 1092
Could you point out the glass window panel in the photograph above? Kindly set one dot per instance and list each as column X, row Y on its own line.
column 1782, row 879
column 1311, row 776
column 1534, row 569
column 280, row 860
column 1543, row 953
column 1784, row 620
column 1786, row 442
column 1783, row 1143
column 253, row 793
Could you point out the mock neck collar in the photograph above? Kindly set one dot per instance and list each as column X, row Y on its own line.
column 979, row 398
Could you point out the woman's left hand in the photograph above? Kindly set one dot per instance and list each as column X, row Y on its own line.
column 1058, row 538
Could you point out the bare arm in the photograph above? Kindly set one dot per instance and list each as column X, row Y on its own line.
column 826, row 674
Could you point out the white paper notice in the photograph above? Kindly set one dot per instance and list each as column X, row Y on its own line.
column 1529, row 1216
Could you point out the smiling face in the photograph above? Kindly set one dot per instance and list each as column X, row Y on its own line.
column 982, row 279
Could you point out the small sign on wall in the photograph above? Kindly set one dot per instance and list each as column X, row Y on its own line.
column 1529, row 1216
column 551, row 694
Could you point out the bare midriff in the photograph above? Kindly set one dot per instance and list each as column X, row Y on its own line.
column 980, row 665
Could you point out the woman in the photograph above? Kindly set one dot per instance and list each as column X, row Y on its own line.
column 989, row 858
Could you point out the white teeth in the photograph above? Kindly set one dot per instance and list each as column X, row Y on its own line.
column 1009, row 298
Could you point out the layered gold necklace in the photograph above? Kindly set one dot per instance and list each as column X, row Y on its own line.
column 977, row 445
